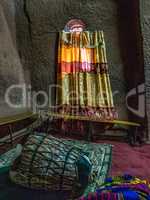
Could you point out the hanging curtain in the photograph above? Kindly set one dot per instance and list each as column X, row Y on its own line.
column 83, row 84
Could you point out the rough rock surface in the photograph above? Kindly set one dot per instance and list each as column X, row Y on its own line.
column 145, row 24
column 43, row 20
column 11, row 69
column 35, row 32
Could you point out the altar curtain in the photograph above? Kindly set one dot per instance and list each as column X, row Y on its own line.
column 83, row 84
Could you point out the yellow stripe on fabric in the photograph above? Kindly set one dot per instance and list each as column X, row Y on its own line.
column 86, row 47
column 100, row 97
column 103, row 48
column 83, row 39
column 85, row 88
column 110, row 91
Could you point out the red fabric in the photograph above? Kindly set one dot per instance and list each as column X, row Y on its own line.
column 131, row 160
column 73, row 67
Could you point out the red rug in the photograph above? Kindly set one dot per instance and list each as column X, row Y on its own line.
column 131, row 160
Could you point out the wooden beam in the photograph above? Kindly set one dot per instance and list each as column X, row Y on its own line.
column 91, row 119
column 17, row 118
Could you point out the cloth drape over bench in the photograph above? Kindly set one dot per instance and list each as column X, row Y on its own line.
column 83, row 84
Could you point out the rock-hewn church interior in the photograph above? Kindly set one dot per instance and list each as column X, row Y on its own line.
column 74, row 99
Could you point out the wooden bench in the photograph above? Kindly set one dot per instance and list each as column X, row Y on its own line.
column 9, row 121
column 132, row 128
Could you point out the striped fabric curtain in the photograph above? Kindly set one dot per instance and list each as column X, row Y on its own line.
column 83, row 84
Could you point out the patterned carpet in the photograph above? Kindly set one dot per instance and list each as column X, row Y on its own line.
column 131, row 160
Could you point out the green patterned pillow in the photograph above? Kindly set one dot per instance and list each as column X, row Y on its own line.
column 100, row 156
column 58, row 164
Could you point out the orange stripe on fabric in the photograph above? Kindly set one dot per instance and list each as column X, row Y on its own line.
column 81, row 55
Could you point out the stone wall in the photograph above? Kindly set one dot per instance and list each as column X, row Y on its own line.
column 11, row 69
column 145, row 25
column 37, row 26
column 34, row 32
